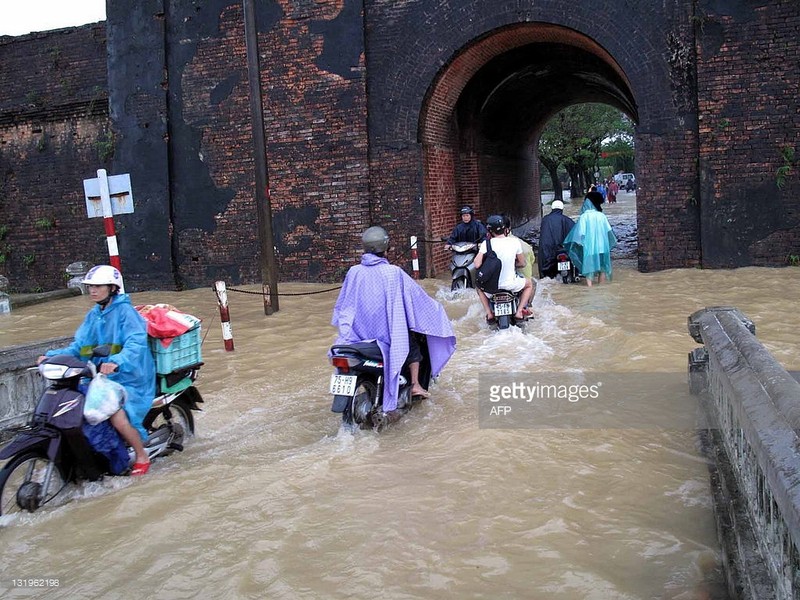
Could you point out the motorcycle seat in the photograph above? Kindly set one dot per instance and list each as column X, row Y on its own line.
column 368, row 350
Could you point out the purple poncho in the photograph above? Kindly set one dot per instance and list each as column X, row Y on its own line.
column 380, row 302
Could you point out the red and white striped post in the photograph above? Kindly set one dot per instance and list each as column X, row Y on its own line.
column 224, row 315
column 108, row 223
column 414, row 257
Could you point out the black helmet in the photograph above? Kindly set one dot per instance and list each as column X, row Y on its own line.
column 467, row 210
column 496, row 223
column 375, row 240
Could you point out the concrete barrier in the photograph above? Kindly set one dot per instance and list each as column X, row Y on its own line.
column 752, row 405
column 20, row 386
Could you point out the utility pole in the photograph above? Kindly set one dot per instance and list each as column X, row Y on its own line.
column 269, row 273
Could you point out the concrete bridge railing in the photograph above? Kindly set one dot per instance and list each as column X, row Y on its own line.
column 20, row 387
column 753, row 409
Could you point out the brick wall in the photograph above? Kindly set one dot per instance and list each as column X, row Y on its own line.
column 748, row 73
column 53, row 134
column 385, row 112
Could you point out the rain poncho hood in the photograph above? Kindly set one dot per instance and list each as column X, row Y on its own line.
column 124, row 329
column 589, row 243
column 380, row 302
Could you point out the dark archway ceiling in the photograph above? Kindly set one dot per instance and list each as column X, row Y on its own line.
column 512, row 96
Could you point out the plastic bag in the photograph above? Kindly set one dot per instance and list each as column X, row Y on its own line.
column 103, row 399
column 166, row 322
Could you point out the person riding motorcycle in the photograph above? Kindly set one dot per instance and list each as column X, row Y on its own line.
column 509, row 251
column 525, row 270
column 115, row 322
column 469, row 230
column 380, row 302
column 555, row 227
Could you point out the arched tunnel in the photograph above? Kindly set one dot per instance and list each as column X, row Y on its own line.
column 483, row 116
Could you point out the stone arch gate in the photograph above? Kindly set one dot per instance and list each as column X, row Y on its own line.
column 472, row 89
column 394, row 112
column 481, row 119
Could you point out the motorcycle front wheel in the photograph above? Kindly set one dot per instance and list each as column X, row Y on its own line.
column 459, row 283
column 22, row 483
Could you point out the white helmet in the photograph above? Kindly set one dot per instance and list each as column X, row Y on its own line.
column 103, row 275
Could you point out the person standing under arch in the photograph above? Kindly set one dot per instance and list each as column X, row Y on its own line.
column 590, row 242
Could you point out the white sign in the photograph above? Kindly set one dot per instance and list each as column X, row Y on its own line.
column 119, row 191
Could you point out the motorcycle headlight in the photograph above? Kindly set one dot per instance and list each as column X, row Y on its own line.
column 54, row 371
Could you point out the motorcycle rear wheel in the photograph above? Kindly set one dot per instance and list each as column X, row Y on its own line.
column 181, row 414
column 27, row 469
column 503, row 322
column 355, row 413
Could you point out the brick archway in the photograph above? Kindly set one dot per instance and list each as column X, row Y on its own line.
column 482, row 116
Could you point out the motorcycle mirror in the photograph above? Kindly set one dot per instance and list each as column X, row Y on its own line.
column 102, row 350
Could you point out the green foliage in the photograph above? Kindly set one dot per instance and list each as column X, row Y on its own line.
column 576, row 137
column 28, row 259
column 793, row 260
column 98, row 95
column 105, row 147
column 45, row 223
column 5, row 249
column 41, row 143
column 33, row 98
column 786, row 170
column 55, row 54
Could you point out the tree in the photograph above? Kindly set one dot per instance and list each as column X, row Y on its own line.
column 574, row 139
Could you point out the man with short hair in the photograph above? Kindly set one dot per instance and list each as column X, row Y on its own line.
column 509, row 251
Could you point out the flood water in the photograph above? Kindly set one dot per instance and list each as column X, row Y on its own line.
column 272, row 499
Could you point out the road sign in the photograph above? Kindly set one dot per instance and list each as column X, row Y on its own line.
column 105, row 197
column 119, row 192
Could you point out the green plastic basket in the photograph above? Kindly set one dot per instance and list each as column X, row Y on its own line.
column 183, row 351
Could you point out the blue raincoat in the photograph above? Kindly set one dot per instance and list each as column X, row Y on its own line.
column 589, row 243
column 380, row 302
column 120, row 326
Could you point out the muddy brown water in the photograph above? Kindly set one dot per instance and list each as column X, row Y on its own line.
column 272, row 499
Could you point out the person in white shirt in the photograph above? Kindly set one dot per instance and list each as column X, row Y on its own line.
column 509, row 251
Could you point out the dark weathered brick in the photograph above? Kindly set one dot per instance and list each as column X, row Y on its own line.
column 380, row 118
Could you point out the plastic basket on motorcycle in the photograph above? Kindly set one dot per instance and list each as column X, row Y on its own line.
column 183, row 351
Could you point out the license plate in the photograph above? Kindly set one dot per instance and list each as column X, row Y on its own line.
column 503, row 309
column 563, row 266
column 343, row 385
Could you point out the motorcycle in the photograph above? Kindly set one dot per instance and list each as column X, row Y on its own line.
column 462, row 267
column 504, row 306
column 357, row 384
column 566, row 270
column 52, row 451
